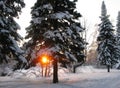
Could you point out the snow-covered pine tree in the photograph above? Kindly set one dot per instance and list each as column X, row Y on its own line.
column 106, row 40
column 118, row 28
column 118, row 38
column 9, row 38
column 55, row 30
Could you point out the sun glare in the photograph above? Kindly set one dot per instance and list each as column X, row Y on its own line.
column 45, row 59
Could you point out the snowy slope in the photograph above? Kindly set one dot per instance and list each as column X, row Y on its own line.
column 87, row 78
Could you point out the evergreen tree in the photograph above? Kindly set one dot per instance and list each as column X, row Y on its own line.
column 106, row 41
column 118, row 28
column 118, row 38
column 9, row 38
column 55, row 31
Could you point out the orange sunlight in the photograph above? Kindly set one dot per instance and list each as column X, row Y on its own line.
column 45, row 60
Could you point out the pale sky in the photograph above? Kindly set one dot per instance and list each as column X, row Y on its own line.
column 25, row 17
column 90, row 10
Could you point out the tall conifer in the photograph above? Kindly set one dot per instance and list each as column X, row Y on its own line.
column 9, row 38
column 106, row 40
column 55, row 31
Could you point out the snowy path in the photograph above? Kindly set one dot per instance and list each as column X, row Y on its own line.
column 100, row 79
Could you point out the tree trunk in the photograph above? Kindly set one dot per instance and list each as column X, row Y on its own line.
column 55, row 71
column 74, row 69
column 108, row 68
column 77, row 65
column 46, row 71
column 42, row 71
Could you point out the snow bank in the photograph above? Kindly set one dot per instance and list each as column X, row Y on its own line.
column 92, row 69
column 35, row 72
column 86, row 69
column 6, row 68
column 5, row 71
column 63, row 72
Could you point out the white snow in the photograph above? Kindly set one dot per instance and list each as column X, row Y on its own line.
column 71, row 56
column 118, row 64
column 37, row 20
column 48, row 6
column 49, row 34
column 4, row 31
column 47, row 51
column 15, row 45
column 59, row 36
column 69, row 31
column 61, row 15
column 33, row 72
column 78, row 29
column 35, row 12
column 9, row 10
column 86, row 77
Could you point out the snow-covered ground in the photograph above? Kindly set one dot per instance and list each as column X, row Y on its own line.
column 86, row 77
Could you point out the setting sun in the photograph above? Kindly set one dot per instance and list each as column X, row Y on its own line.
column 44, row 59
